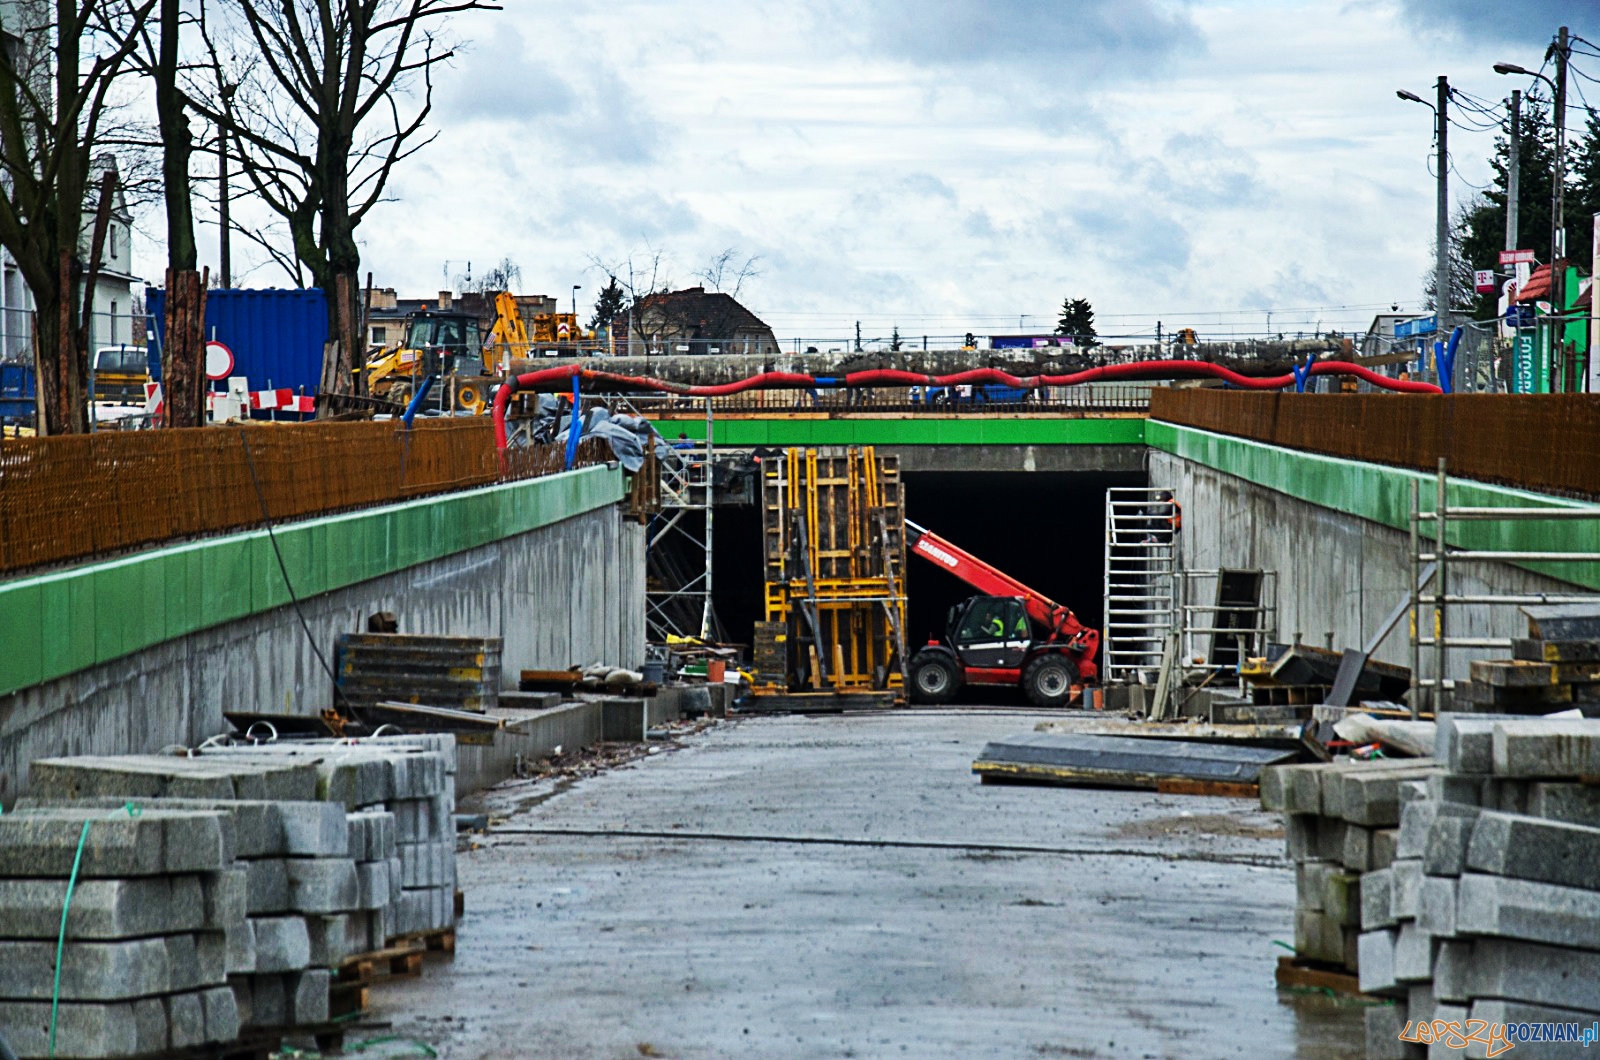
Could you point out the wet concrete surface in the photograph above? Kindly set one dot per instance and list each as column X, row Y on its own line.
column 844, row 887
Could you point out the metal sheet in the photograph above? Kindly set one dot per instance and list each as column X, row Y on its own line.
column 1123, row 761
column 276, row 335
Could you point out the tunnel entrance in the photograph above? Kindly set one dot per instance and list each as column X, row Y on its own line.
column 1044, row 528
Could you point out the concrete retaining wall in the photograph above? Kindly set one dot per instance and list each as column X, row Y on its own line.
column 570, row 592
column 1339, row 575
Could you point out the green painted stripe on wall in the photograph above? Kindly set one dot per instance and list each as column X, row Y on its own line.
column 925, row 430
column 64, row 621
column 1382, row 494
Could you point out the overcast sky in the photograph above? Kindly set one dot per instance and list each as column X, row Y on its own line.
column 945, row 165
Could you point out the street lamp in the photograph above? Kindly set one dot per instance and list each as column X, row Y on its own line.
column 1558, row 230
column 575, row 289
column 1441, row 221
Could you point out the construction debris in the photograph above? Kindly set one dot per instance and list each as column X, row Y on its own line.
column 1124, row 762
column 219, row 893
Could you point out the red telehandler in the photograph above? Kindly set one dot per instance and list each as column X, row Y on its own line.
column 1012, row 635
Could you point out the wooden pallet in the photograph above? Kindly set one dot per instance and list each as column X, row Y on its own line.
column 439, row 940
column 1303, row 974
column 1227, row 788
column 401, row 961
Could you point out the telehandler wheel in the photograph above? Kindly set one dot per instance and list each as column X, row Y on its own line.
column 1048, row 680
column 934, row 677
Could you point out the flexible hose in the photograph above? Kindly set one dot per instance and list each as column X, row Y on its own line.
column 565, row 376
column 133, row 809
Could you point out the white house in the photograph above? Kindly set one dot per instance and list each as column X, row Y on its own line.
column 111, row 321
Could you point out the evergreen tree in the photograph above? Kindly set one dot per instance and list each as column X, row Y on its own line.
column 895, row 341
column 613, row 301
column 1479, row 231
column 1077, row 321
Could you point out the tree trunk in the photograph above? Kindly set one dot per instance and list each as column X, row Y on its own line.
column 183, row 376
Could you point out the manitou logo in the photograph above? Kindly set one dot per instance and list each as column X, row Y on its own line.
column 933, row 551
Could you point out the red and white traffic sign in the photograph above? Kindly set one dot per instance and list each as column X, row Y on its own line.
column 219, row 360
column 1516, row 257
column 1483, row 280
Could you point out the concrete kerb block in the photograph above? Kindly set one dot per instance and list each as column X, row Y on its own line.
column 372, row 835
column 1572, row 803
column 1414, row 951
column 1300, row 837
column 267, row 886
column 1457, row 1014
column 314, row 829
column 1533, row 972
column 90, row 971
column 1405, row 900
column 1416, row 820
column 1504, row 1013
column 1372, row 797
column 1376, row 889
column 1532, row 849
column 1357, row 848
column 1452, row 970
column 1385, row 842
column 1341, row 898
column 1330, row 838
column 282, row 944
column 221, row 1014
column 329, row 939
column 322, row 885
column 1280, row 791
column 1523, row 909
column 372, row 884
column 307, row 994
column 127, row 1028
column 44, row 842
column 186, row 1020
column 1437, row 914
column 1375, row 961
column 1457, row 789
column 1463, row 743
column 269, row 1001
column 1544, row 747
column 1316, row 936
column 1445, row 853
column 1384, row 1025
column 103, row 909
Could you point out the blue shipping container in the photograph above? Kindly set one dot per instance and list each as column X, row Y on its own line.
column 276, row 335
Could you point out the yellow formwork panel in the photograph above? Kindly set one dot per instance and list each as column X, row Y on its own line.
column 834, row 562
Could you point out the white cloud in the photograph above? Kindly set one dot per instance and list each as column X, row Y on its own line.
column 956, row 164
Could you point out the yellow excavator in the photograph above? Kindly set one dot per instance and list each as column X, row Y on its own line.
column 449, row 343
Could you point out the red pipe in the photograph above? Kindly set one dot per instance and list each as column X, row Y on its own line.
column 561, row 376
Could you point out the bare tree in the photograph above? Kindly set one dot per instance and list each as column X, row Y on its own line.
column 650, row 274
column 505, row 276
column 320, row 100
column 721, row 274
column 54, row 105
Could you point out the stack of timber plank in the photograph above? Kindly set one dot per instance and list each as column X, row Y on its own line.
column 1503, row 890
column 1341, row 829
column 329, row 850
column 1555, row 667
column 143, row 969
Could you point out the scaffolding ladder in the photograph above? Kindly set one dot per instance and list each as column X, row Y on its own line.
column 1430, row 611
column 1141, row 559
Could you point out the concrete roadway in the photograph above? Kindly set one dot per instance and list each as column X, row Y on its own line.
column 1141, row 926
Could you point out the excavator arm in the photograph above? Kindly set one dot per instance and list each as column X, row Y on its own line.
column 1058, row 619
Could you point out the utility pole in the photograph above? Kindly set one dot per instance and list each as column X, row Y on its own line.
column 858, row 336
column 1514, row 169
column 1441, row 221
column 1558, row 231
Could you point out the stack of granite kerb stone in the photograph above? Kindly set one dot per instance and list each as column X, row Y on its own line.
column 322, row 867
column 1493, row 912
column 143, row 968
column 412, row 778
column 1340, row 823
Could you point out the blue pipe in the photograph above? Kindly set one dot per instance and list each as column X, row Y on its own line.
column 574, row 428
column 416, row 401
column 1444, row 359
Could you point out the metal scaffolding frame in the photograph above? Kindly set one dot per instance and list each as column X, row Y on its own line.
column 678, row 601
column 1431, row 610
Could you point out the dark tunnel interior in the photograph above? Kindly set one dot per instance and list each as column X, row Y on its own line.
column 1043, row 528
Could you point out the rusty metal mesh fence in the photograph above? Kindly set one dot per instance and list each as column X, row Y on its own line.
column 91, row 495
column 1544, row 442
